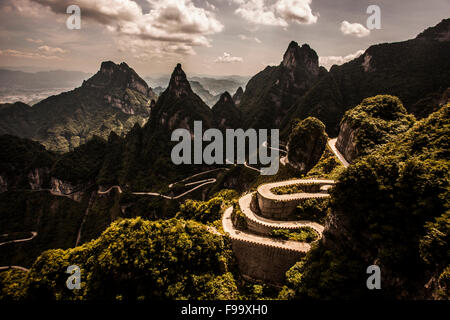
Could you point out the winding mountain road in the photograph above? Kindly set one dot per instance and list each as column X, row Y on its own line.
column 33, row 235
column 14, row 267
column 280, row 150
column 201, row 183
column 259, row 227
column 331, row 144
column 283, row 160
column 340, row 156
column 245, row 236
column 265, row 190
column 244, row 204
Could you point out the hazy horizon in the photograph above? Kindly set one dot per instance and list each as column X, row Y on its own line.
column 32, row 69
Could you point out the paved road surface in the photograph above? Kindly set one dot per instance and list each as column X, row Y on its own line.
column 201, row 183
column 245, row 202
column 229, row 228
column 14, row 267
column 33, row 235
column 265, row 189
column 332, row 145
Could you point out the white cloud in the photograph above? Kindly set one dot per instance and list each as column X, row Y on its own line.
column 257, row 12
column 281, row 13
column 228, row 58
column 167, row 23
column 146, row 51
column 52, row 49
column 354, row 29
column 296, row 11
column 245, row 38
column 329, row 61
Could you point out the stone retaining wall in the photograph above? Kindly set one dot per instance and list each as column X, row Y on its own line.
column 280, row 207
column 263, row 262
column 281, row 210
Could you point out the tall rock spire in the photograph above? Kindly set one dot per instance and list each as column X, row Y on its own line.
column 179, row 84
column 301, row 57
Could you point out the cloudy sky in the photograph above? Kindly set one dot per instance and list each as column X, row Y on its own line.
column 216, row 37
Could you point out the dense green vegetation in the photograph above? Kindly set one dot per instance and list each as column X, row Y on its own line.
column 303, row 234
column 19, row 157
column 327, row 275
column 393, row 206
column 114, row 99
column 208, row 212
column 238, row 217
column 307, row 143
column 374, row 122
column 390, row 207
column 202, row 211
column 12, row 285
column 137, row 260
column 81, row 165
column 328, row 167
column 411, row 70
column 295, row 188
column 313, row 210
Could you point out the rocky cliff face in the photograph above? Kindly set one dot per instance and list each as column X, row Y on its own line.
column 391, row 210
column 38, row 177
column 124, row 88
column 307, row 143
column 270, row 93
column 410, row 70
column 179, row 86
column 301, row 57
column 64, row 188
column 24, row 164
column 225, row 113
column 114, row 99
column 346, row 142
column 144, row 155
column 374, row 122
column 238, row 96
column 122, row 76
column 178, row 106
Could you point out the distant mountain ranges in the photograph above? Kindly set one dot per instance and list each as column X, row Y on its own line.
column 114, row 99
column 206, row 87
column 42, row 79
column 115, row 130
column 417, row 71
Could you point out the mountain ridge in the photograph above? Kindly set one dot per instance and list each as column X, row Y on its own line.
column 273, row 90
column 417, row 71
column 115, row 98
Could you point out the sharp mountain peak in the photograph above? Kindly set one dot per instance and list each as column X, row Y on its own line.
column 179, row 84
column 112, row 75
column 225, row 97
column 303, row 56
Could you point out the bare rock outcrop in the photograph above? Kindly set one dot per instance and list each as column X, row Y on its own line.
column 346, row 142
column 307, row 143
